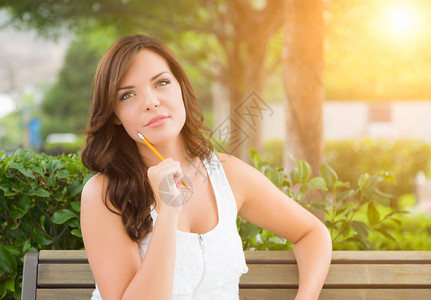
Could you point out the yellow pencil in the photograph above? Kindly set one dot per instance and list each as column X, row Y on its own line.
column 156, row 152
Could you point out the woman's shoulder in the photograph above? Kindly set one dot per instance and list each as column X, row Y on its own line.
column 234, row 168
column 95, row 185
column 232, row 165
column 94, row 192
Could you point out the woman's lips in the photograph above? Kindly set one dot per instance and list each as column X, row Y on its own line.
column 158, row 122
column 156, row 118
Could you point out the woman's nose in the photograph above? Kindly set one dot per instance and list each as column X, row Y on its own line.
column 149, row 101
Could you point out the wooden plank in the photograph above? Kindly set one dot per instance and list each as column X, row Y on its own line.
column 28, row 291
column 261, row 294
column 281, row 256
column 344, row 257
column 338, row 294
column 65, row 275
column 64, row 294
column 350, row 275
column 63, row 255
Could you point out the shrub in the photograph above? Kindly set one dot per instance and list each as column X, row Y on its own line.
column 342, row 206
column 351, row 158
column 39, row 209
column 402, row 158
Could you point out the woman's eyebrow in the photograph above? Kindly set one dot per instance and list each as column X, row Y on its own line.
column 132, row 86
column 155, row 77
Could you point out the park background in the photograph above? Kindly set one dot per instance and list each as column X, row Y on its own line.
column 331, row 100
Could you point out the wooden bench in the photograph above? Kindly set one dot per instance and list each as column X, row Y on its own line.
column 272, row 275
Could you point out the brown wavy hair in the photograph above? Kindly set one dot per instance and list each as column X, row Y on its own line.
column 112, row 152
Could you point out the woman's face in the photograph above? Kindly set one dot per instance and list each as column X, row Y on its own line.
column 149, row 89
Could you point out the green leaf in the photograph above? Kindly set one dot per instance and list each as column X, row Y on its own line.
column 17, row 214
column 388, row 177
column 37, row 169
column 386, row 233
column 42, row 222
column 255, row 158
column 275, row 177
column 399, row 223
column 24, row 203
column 304, row 171
column 373, row 214
column 76, row 232
column 249, row 230
column 3, row 291
column 25, row 172
column 360, row 227
column 63, row 174
column 363, row 180
column 42, row 238
column 74, row 223
column 7, row 191
column 329, row 175
column 340, row 184
column 276, row 241
column 10, row 284
column 7, row 261
column 294, row 178
column 319, row 205
column 344, row 195
column 75, row 188
column 76, row 205
column 317, row 183
column 38, row 192
column 62, row 216
column 26, row 246
column 13, row 250
column 340, row 210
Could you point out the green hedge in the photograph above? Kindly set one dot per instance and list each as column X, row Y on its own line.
column 352, row 213
column 39, row 209
column 351, row 158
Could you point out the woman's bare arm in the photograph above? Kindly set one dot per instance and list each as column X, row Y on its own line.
column 115, row 259
column 263, row 204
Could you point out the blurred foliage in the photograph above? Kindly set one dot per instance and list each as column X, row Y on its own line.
column 65, row 148
column 344, row 206
column 351, row 158
column 14, row 130
column 67, row 103
column 15, row 122
column 39, row 209
column 402, row 158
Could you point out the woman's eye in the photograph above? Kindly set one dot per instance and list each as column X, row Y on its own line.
column 162, row 82
column 127, row 95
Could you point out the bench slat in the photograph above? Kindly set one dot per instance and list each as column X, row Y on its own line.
column 345, row 257
column 64, row 294
column 350, row 275
column 366, row 257
column 65, row 275
column 338, row 294
column 259, row 294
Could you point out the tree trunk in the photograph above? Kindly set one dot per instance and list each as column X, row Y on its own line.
column 245, row 47
column 303, row 78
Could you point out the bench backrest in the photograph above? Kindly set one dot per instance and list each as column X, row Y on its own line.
column 272, row 275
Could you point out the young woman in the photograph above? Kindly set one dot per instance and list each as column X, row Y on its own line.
column 147, row 239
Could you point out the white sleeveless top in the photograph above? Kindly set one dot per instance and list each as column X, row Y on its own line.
column 207, row 266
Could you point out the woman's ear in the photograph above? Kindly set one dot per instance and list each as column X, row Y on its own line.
column 116, row 120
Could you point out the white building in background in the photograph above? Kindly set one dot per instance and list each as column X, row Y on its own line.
column 409, row 119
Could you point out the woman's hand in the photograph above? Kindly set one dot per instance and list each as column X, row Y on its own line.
column 165, row 179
